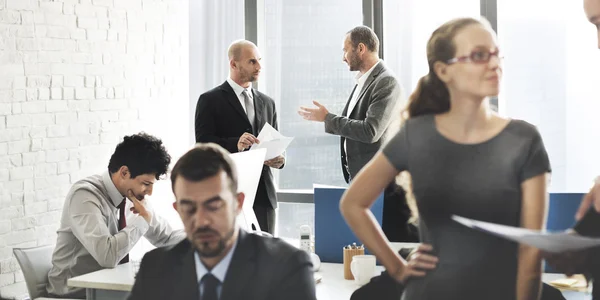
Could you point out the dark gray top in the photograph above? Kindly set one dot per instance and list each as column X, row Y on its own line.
column 480, row 181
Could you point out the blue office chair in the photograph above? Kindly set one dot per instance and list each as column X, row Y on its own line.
column 562, row 209
column 561, row 214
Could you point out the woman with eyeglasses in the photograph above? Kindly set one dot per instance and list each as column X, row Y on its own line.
column 466, row 160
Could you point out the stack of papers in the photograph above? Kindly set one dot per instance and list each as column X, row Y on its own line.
column 272, row 140
column 549, row 242
column 573, row 283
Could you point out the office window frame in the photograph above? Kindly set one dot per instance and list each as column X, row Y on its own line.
column 373, row 18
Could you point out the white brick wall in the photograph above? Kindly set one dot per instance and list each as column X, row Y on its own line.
column 75, row 76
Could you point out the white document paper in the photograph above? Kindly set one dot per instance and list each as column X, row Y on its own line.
column 272, row 140
column 326, row 186
column 549, row 242
column 249, row 166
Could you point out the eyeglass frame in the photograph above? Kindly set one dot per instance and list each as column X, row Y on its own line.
column 469, row 58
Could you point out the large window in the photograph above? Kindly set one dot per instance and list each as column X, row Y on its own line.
column 301, row 45
column 408, row 24
column 550, row 80
column 214, row 24
column 290, row 216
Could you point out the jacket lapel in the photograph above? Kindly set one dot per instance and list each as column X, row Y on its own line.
column 234, row 100
column 378, row 69
column 241, row 269
column 258, row 111
column 185, row 281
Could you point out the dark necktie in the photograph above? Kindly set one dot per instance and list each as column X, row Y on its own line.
column 123, row 224
column 209, row 287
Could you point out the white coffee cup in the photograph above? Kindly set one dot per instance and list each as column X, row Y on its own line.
column 363, row 268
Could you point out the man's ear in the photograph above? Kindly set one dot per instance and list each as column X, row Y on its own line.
column 240, row 201
column 362, row 48
column 175, row 205
column 232, row 64
column 124, row 172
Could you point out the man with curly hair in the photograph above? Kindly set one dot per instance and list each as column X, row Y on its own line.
column 94, row 232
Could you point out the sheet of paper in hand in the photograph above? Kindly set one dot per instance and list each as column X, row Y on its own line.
column 549, row 242
column 272, row 140
column 249, row 167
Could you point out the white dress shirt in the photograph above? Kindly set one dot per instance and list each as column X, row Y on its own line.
column 238, row 90
column 360, row 83
column 219, row 271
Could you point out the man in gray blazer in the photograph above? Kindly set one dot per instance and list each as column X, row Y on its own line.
column 218, row 260
column 364, row 125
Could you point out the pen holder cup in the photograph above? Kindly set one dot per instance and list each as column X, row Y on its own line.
column 348, row 254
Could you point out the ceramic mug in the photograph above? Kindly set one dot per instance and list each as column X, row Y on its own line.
column 363, row 268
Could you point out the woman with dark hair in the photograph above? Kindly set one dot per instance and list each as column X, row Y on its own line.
column 463, row 159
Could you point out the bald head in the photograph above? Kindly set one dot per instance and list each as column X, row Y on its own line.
column 592, row 11
column 236, row 48
column 244, row 62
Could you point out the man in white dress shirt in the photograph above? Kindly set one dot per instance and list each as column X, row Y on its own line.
column 232, row 115
column 94, row 232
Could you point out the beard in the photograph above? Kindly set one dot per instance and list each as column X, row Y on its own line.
column 205, row 249
column 249, row 76
column 354, row 62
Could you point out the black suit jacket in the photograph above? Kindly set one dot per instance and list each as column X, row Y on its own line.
column 221, row 119
column 261, row 268
column 589, row 225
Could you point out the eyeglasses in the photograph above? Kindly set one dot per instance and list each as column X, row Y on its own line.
column 477, row 56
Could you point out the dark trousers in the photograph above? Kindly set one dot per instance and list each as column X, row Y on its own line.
column 263, row 209
column 384, row 287
column 265, row 214
column 396, row 214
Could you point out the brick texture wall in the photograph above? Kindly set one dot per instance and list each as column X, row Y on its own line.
column 75, row 76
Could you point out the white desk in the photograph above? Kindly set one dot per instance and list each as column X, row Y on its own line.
column 117, row 283
column 106, row 284
column 333, row 285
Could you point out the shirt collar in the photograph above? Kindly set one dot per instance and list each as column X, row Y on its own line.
column 238, row 89
column 220, row 270
column 362, row 78
column 115, row 197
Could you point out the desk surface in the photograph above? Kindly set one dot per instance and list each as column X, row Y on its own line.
column 332, row 286
column 121, row 278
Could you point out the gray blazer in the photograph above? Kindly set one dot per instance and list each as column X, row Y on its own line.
column 368, row 125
